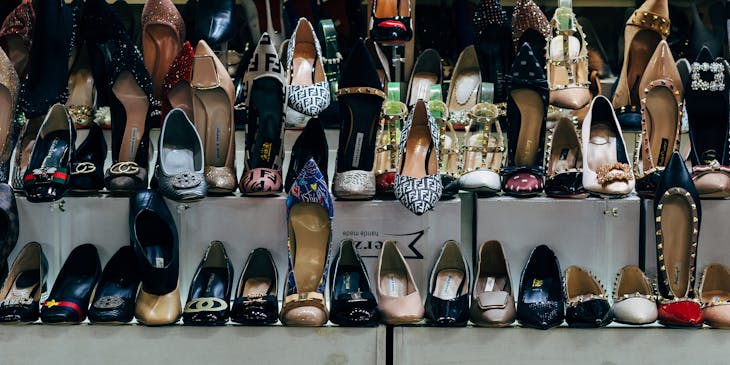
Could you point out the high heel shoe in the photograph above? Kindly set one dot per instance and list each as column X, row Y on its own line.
column 648, row 25
column 213, row 116
column 180, row 160
column 417, row 180
column 9, row 227
column 87, row 174
column 531, row 26
column 308, row 90
column 16, row 35
column 587, row 303
column 567, row 69
column 264, row 94
column 678, row 219
column 714, row 294
column 81, row 102
column 598, row 59
column 176, row 91
column 8, row 127
column 351, row 298
column 634, row 298
column 526, row 112
column 214, row 21
column 606, row 167
column 564, row 162
column 483, row 151
column 311, row 144
column 541, row 300
column 24, row 148
column 69, row 299
column 360, row 98
column 447, row 302
column 465, row 86
column 427, row 71
column 163, row 32
column 399, row 300
column 210, row 289
column 707, row 112
column 386, row 146
column 381, row 62
column 494, row 45
column 47, row 175
column 661, row 118
column 115, row 293
column 309, row 220
column 156, row 247
column 21, row 294
column 256, row 300
column 390, row 21
column 492, row 303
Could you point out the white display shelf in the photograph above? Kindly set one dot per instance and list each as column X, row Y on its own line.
column 93, row 344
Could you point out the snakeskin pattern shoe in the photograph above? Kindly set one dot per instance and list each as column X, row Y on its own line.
column 180, row 161
column 308, row 90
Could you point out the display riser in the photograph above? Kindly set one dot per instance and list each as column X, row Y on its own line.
column 601, row 235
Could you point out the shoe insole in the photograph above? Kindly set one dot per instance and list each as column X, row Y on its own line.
column 17, row 52
column 632, row 281
column 531, row 118
column 559, row 74
column 177, row 160
column 360, row 122
column 676, row 228
column 464, row 92
column 256, row 286
column 162, row 45
column 24, row 286
column 266, row 108
column 81, row 88
column 640, row 51
column 537, row 290
column 563, row 157
column 490, row 283
column 58, row 148
column 420, row 85
column 135, row 104
column 347, row 282
column 419, row 149
column 661, row 124
column 448, row 284
column 181, row 96
column 211, row 283
column 715, row 295
column 581, row 285
column 215, row 117
column 304, row 58
column 602, row 149
column 310, row 226
column 391, row 8
column 394, row 284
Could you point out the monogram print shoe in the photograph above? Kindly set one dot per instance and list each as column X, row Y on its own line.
column 308, row 90
column 417, row 181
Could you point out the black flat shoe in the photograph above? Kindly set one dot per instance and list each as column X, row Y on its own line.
column 447, row 303
column 9, row 227
column 20, row 296
column 69, row 298
column 587, row 303
column 114, row 295
column 156, row 246
column 311, row 144
column 256, row 300
column 494, row 45
column 541, row 302
column 55, row 35
column 210, row 289
column 352, row 302
column 87, row 174
column 47, row 176
column 213, row 21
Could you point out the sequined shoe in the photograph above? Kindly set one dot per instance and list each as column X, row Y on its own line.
column 9, row 129
column 176, row 91
column 163, row 32
column 531, row 26
column 16, row 35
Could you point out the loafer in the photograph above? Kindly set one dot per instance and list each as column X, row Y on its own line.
column 180, row 162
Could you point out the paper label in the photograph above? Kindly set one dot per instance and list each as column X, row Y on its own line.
column 490, row 284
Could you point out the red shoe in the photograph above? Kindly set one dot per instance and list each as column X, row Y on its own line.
column 176, row 87
column 16, row 35
column 681, row 313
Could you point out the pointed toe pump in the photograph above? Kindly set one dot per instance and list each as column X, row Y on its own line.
column 256, row 302
column 352, row 301
column 213, row 98
column 465, row 86
column 311, row 144
column 565, row 161
column 155, row 243
column 9, row 86
column 308, row 90
column 390, row 22
column 567, row 69
column 645, row 28
column 634, row 298
column 176, row 91
column 427, row 71
column 180, row 159
column 163, row 32
column 264, row 94
column 87, row 174
column 714, row 291
column 606, row 169
column 309, row 218
column 531, row 26
column 116, row 291
column 69, row 299
column 587, row 302
column 417, row 182
column 360, row 99
column 447, row 303
column 527, row 103
column 210, row 289
column 661, row 118
column 399, row 300
column 709, row 127
column 47, row 176
column 492, row 303
column 16, row 35
column 21, row 294
column 678, row 217
column 541, row 301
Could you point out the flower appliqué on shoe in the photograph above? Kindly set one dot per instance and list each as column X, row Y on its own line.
column 614, row 172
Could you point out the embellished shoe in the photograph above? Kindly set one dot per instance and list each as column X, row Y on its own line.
column 47, row 176
column 526, row 117
column 386, row 146
column 531, row 26
column 606, row 167
column 87, row 174
column 494, row 45
column 81, row 102
column 564, row 161
column 69, row 299
column 427, row 71
column 587, row 302
column 465, row 87
column 176, row 91
column 163, row 32
column 541, row 301
column 16, row 35
column 311, row 144
column 360, row 99
column 264, row 94
column 399, row 300
column 351, row 298
column 714, row 293
column 309, row 218
column 417, row 181
column 210, row 289
column 21, row 294
column 567, row 70
column 180, row 160
column 447, row 303
column 117, row 288
column 483, row 151
column 256, row 300
column 678, row 217
column 8, row 127
column 709, row 129
column 661, row 118
column 308, row 91
column 634, row 298
column 391, row 22
column 493, row 303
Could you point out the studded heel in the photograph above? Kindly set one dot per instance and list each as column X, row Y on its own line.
column 386, row 147
column 567, row 68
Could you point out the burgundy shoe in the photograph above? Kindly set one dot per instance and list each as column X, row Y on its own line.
column 16, row 35
column 176, row 87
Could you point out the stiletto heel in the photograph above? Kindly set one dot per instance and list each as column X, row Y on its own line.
column 308, row 91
